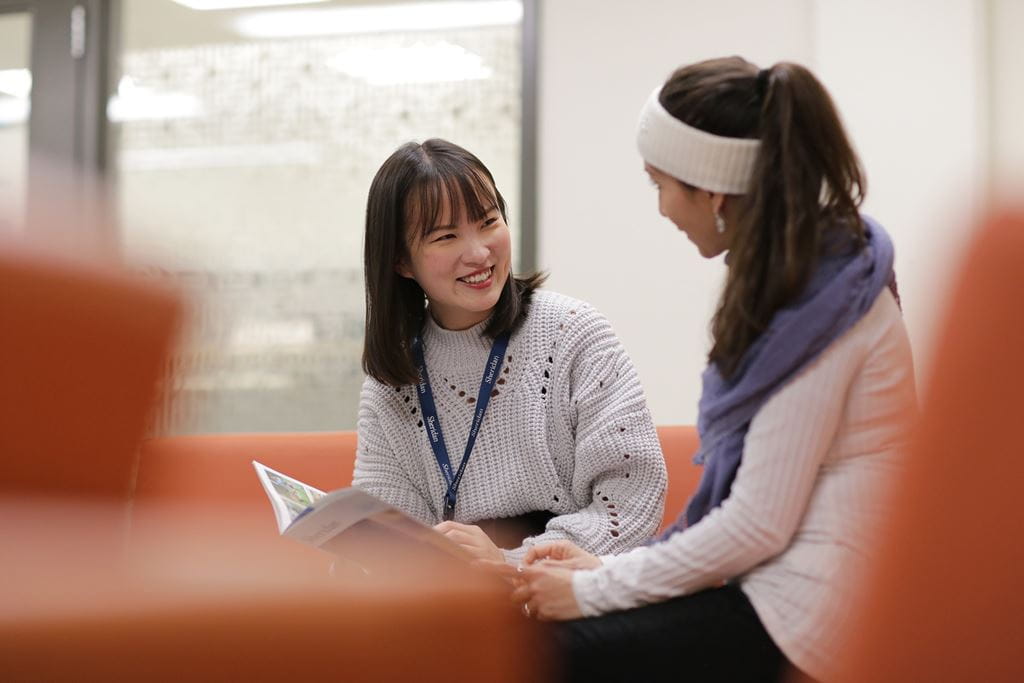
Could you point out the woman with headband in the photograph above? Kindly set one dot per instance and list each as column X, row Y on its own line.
column 807, row 392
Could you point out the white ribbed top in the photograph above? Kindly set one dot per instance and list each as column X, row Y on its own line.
column 816, row 460
column 569, row 431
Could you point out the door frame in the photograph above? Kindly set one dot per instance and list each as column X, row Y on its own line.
column 74, row 44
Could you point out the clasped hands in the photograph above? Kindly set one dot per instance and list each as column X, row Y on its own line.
column 543, row 583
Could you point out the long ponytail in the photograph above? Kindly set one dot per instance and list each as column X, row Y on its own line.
column 806, row 179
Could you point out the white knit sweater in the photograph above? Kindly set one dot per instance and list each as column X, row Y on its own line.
column 797, row 524
column 568, row 431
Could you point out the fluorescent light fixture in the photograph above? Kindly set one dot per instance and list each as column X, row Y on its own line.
column 419, row 63
column 137, row 103
column 423, row 16
column 239, row 4
column 16, row 82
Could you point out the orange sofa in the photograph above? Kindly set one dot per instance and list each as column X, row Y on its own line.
column 209, row 479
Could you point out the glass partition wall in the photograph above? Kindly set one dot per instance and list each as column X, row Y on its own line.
column 245, row 141
column 15, row 89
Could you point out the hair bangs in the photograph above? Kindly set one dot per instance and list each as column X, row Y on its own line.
column 448, row 191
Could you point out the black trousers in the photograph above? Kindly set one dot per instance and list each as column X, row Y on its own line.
column 714, row 635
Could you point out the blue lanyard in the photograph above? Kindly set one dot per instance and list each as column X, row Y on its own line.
column 433, row 423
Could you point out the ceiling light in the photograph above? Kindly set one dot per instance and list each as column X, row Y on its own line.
column 239, row 4
column 419, row 63
column 424, row 16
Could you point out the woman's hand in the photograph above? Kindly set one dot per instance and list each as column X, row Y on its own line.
column 564, row 554
column 545, row 591
column 472, row 539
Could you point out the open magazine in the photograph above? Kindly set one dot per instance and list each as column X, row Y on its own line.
column 349, row 522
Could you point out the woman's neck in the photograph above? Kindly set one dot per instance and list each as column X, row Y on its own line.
column 458, row 320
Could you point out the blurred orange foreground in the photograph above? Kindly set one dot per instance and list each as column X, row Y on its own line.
column 945, row 602
column 83, row 346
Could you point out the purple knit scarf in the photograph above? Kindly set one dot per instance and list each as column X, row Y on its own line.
column 842, row 289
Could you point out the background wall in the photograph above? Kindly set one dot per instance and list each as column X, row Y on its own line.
column 919, row 88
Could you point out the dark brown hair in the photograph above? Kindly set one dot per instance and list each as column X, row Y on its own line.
column 414, row 186
column 806, row 179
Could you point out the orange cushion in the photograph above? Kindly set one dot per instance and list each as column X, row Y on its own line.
column 944, row 601
column 83, row 345
column 219, row 466
column 175, row 613
column 217, row 469
column 193, row 485
column 679, row 443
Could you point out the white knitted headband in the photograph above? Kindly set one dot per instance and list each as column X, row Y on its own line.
column 710, row 162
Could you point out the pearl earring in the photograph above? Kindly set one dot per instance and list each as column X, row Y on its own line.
column 719, row 223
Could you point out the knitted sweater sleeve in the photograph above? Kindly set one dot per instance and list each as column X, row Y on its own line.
column 378, row 469
column 618, row 476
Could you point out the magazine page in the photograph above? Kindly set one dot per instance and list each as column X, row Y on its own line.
column 355, row 525
column 335, row 512
column 396, row 524
column 367, row 522
column 290, row 498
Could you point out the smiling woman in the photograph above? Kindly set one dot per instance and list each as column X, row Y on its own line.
column 460, row 252
column 563, row 444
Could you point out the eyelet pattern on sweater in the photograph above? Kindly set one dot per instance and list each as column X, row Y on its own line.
column 567, row 430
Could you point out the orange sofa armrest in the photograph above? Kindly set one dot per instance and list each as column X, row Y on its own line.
column 679, row 443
